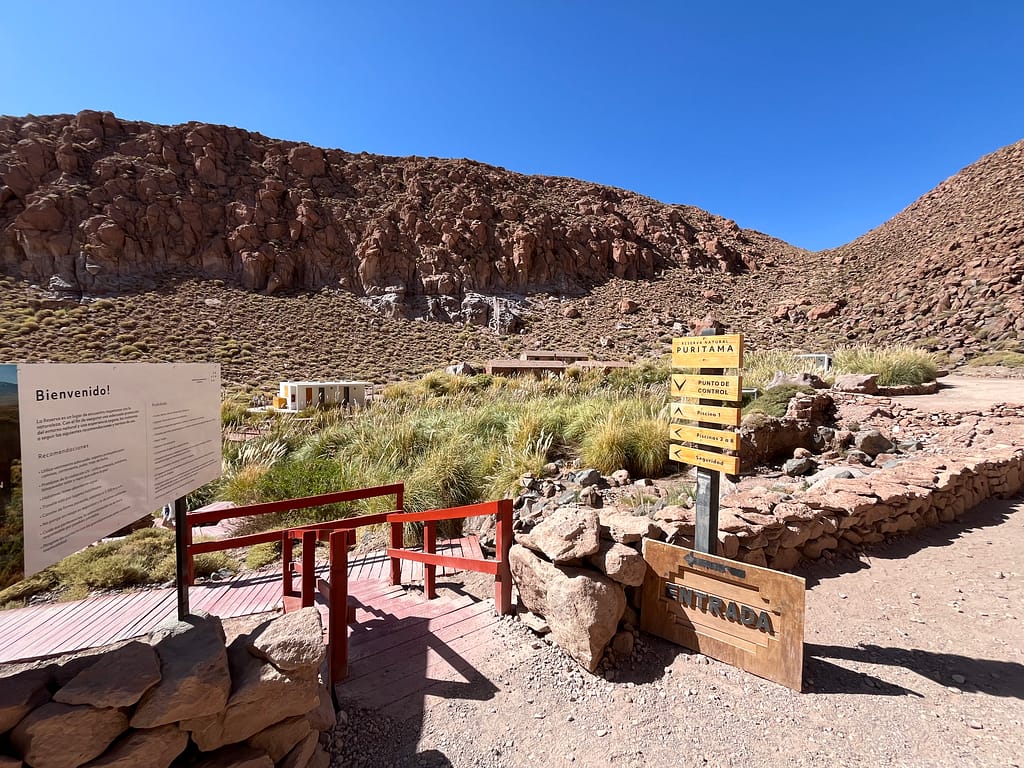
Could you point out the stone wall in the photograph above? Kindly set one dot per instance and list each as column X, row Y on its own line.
column 580, row 568
column 182, row 697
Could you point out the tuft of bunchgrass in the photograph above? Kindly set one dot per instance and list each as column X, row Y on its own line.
column 761, row 366
column 775, row 401
column 1005, row 359
column 895, row 366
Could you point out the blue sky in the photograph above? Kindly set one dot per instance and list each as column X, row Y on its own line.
column 813, row 122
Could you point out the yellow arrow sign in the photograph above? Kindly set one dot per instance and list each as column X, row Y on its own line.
column 719, row 438
column 726, row 388
column 714, row 414
column 697, row 458
column 708, row 351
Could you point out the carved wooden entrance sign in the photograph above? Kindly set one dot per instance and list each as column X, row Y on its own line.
column 744, row 615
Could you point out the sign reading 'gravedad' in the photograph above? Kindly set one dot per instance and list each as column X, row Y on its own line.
column 750, row 617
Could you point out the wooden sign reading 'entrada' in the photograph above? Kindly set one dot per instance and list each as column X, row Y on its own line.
column 750, row 617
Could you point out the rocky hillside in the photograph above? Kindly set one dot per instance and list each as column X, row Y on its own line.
column 206, row 242
column 93, row 205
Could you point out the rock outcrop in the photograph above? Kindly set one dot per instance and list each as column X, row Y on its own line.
column 93, row 204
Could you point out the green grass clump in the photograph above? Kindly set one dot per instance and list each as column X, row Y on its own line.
column 1006, row 359
column 144, row 557
column 760, row 366
column 260, row 555
column 895, row 366
column 775, row 401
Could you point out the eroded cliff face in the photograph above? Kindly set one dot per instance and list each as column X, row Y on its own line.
column 90, row 204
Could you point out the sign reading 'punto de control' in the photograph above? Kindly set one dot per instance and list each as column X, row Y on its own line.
column 750, row 617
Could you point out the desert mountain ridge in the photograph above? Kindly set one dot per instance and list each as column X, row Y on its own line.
column 137, row 237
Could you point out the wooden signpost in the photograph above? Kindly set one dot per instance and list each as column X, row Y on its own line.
column 709, row 400
column 750, row 617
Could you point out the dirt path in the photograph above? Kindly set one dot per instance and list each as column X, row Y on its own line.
column 914, row 657
column 967, row 393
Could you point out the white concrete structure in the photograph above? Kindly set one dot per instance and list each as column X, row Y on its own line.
column 296, row 396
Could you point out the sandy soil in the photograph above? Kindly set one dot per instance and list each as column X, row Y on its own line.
column 968, row 393
column 914, row 656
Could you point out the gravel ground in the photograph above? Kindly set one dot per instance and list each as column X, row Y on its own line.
column 914, row 656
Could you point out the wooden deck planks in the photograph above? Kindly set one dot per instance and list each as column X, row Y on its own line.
column 50, row 629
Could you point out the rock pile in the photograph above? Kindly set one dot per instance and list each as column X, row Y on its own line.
column 580, row 567
column 182, row 697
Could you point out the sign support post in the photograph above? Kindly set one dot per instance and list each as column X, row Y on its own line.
column 181, row 556
column 709, row 485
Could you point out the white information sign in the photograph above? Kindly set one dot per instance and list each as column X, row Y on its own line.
column 104, row 444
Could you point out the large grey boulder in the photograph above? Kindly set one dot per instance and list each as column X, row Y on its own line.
column 118, row 679
column 63, row 736
column 20, row 694
column 294, row 642
column 582, row 607
column 568, row 533
column 621, row 563
column 145, row 748
column 194, row 673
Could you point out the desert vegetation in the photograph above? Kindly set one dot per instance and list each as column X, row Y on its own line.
column 451, row 439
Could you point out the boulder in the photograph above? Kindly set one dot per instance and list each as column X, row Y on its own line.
column 278, row 740
column 804, row 379
column 324, row 717
column 582, row 606
column 194, row 681
column 236, row 756
column 293, row 642
column 20, row 694
column 627, row 529
column 301, row 753
column 621, row 563
column 872, row 442
column 859, row 383
column 118, row 679
column 826, row 310
column 63, row 736
column 261, row 695
column 566, row 534
column 797, row 467
column 144, row 748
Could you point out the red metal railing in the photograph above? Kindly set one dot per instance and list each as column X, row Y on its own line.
column 430, row 559
column 340, row 535
column 194, row 519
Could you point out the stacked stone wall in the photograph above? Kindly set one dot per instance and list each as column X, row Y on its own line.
column 182, row 697
column 580, row 568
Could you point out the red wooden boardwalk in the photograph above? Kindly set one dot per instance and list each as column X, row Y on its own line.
column 403, row 647
column 55, row 628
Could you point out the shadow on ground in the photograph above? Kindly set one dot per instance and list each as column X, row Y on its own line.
column 986, row 515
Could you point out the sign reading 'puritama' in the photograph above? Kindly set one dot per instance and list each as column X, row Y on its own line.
column 707, row 397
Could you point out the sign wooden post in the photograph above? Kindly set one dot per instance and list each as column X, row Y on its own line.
column 703, row 445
